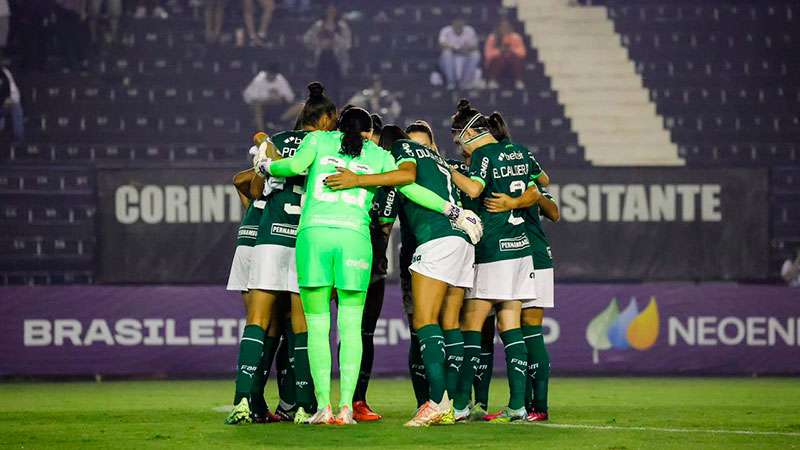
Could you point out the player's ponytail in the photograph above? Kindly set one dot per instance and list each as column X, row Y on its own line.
column 391, row 134
column 498, row 127
column 317, row 106
column 467, row 117
column 353, row 122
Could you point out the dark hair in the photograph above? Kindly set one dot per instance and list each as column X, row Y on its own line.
column 390, row 135
column 317, row 106
column 377, row 123
column 498, row 127
column 353, row 122
column 465, row 114
column 420, row 126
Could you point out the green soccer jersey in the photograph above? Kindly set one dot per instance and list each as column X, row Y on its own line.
column 384, row 210
column 501, row 168
column 350, row 208
column 279, row 225
column 542, row 257
column 463, row 168
column 248, row 229
column 433, row 172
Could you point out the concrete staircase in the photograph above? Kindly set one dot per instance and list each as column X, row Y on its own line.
column 597, row 83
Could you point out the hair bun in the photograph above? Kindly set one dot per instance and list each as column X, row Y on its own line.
column 463, row 105
column 315, row 89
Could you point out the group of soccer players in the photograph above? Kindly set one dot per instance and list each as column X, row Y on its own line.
column 321, row 201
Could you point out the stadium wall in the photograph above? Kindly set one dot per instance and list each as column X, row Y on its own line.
column 596, row 329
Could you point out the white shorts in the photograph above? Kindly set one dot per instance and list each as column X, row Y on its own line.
column 450, row 259
column 511, row 279
column 545, row 297
column 240, row 268
column 273, row 269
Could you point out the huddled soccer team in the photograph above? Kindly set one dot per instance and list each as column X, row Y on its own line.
column 321, row 202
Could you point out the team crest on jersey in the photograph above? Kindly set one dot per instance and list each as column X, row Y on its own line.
column 284, row 229
column 515, row 243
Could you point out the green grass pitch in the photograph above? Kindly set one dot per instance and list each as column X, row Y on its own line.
column 602, row 413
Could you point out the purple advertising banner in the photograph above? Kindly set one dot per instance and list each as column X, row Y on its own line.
column 635, row 329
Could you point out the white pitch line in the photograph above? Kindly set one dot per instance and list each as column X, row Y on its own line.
column 667, row 430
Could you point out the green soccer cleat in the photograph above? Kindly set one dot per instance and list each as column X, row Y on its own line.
column 240, row 413
column 507, row 415
column 477, row 413
column 301, row 416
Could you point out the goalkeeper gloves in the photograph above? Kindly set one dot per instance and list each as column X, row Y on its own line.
column 465, row 220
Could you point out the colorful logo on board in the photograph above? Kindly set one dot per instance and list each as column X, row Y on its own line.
column 623, row 330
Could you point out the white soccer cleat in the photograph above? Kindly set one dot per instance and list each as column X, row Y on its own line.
column 345, row 417
column 323, row 416
column 461, row 415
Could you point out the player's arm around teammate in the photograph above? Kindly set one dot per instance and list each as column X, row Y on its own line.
column 504, row 267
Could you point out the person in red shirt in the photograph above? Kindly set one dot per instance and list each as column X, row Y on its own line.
column 504, row 55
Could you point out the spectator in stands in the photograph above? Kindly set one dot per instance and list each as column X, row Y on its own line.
column 113, row 10
column 257, row 37
column 159, row 12
column 268, row 93
column 460, row 56
column 504, row 55
column 790, row 272
column 11, row 104
column 71, row 28
column 378, row 100
column 5, row 20
column 215, row 16
column 330, row 40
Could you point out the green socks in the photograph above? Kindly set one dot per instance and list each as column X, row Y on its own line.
column 319, row 355
column 283, row 367
column 250, row 349
column 472, row 350
column 304, row 388
column 431, row 345
column 349, row 322
column 516, row 366
column 261, row 375
column 454, row 354
column 416, row 369
column 539, row 366
column 483, row 373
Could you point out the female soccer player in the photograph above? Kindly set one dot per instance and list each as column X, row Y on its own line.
column 272, row 275
column 333, row 244
column 504, row 266
column 440, row 270
column 532, row 311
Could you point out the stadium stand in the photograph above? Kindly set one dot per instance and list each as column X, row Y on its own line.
column 163, row 97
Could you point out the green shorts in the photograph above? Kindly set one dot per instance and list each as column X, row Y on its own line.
column 333, row 257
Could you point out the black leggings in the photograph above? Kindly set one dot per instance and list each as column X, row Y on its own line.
column 372, row 311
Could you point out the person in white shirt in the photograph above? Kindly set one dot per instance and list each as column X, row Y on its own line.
column 268, row 90
column 11, row 104
column 460, row 55
column 378, row 100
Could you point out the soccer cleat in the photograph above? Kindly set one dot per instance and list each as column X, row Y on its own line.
column 507, row 415
column 301, row 416
column 462, row 415
column 345, row 417
column 240, row 413
column 427, row 414
column 267, row 417
column 285, row 415
column 535, row 416
column 363, row 413
column 449, row 416
column 477, row 413
column 323, row 416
